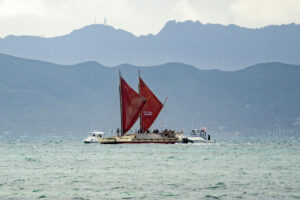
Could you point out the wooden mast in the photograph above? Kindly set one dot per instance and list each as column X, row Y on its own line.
column 139, row 72
column 120, row 91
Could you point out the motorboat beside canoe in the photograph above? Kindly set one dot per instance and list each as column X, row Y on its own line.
column 197, row 136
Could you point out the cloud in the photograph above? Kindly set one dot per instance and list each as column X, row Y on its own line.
column 56, row 17
column 255, row 13
column 184, row 9
column 18, row 8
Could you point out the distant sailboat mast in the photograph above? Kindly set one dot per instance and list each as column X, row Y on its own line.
column 120, row 94
column 139, row 86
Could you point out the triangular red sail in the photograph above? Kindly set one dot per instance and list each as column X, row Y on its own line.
column 151, row 109
column 131, row 105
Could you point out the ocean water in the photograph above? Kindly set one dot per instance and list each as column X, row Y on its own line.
column 64, row 168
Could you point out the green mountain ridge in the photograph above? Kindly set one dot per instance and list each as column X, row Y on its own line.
column 39, row 97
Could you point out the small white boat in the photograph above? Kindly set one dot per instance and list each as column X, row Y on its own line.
column 198, row 137
column 94, row 138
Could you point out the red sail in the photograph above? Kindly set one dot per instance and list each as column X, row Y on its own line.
column 131, row 105
column 151, row 109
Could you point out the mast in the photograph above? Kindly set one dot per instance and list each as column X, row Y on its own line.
column 139, row 72
column 164, row 103
column 120, row 94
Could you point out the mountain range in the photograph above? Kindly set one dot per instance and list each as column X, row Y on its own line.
column 207, row 46
column 39, row 97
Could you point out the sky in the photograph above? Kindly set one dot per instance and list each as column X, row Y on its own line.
column 50, row 18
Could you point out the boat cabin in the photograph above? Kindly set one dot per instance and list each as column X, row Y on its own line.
column 199, row 133
column 97, row 133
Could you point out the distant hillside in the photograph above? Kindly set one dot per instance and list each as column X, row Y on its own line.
column 40, row 97
column 210, row 46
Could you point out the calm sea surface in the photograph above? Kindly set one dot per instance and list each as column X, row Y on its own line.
column 60, row 168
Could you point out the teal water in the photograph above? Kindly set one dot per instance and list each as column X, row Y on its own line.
column 59, row 168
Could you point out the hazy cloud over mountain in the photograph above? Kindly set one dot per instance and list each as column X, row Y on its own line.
column 56, row 17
